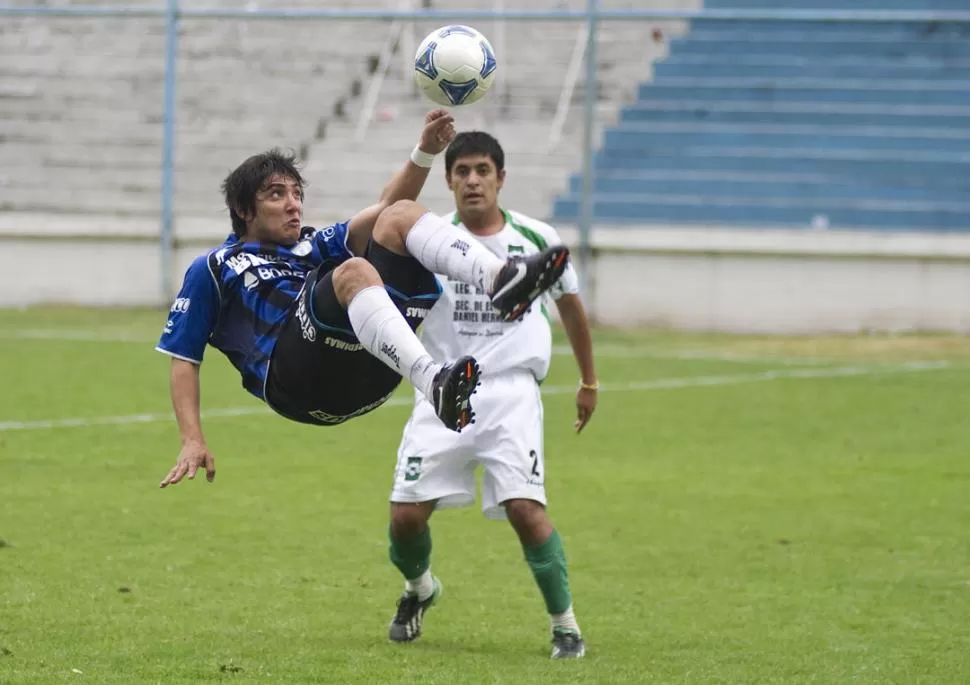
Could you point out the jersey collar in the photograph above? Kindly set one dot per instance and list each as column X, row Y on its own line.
column 505, row 215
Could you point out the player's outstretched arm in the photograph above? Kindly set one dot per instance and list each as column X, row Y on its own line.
column 574, row 320
column 438, row 131
column 184, row 385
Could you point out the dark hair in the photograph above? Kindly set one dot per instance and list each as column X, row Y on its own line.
column 468, row 143
column 241, row 186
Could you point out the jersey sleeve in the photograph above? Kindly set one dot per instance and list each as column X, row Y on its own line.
column 331, row 241
column 193, row 314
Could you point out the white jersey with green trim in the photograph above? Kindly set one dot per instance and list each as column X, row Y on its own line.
column 463, row 322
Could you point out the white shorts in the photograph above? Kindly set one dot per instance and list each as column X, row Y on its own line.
column 434, row 463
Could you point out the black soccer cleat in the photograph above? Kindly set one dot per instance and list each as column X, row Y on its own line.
column 567, row 644
column 451, row 392
column 407, row 622
column 523, row 279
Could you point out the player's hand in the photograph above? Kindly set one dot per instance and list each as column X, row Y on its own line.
column 194, row 455
column 439, row 130
column 585, row 406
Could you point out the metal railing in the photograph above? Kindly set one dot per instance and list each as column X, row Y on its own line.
column 394, row 34
column 568, row 86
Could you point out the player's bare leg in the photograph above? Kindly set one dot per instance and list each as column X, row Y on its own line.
column 410, row 551
column 547, row 560
column 384, row 332
column 513, row 284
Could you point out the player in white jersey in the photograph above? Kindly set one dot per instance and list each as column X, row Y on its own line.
column 435, row 467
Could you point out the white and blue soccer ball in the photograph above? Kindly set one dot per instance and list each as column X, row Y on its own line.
column 455, row 65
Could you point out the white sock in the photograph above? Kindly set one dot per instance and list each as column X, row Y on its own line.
column 566, row 620
column 423, row 585
column 385, row 333
column 444, row 249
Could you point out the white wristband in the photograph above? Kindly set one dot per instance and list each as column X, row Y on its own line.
column 421, row 158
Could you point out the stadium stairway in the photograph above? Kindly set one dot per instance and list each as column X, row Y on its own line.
column 81, row 109
column 81, row 104
column 519, row 111
column 862, row 125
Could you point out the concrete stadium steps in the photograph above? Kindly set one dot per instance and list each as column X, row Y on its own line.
column 121, row 157
column 942, row 168
column 896, row 29
column 885, row 92
column 351, row 175
column 865, row 45
column 81, row 105
column 809, row 186
column 114, row 202
column 817, row 69
column 640, row 138
column 780, row 123
column 858, row 5
column 528, row 75
column 756, row 58
column 813, row 36
column 785, row 211
column 193, row 132
column 794, row 114
column 518, row 111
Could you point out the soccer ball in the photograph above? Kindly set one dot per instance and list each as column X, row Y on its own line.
column 454, row 65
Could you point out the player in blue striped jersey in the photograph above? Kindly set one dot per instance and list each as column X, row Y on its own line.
column 320, row 322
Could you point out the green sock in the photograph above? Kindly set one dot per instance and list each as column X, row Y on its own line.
column 548, row 564
column 412, row 555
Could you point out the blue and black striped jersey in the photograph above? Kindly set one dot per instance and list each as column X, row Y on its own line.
column 237, row 296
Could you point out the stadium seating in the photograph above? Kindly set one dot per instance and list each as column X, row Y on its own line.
column 840, row 125
column 519, row 111
column 81, row 104
column 81, row 107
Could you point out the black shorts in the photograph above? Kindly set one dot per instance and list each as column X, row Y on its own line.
column 319, row 372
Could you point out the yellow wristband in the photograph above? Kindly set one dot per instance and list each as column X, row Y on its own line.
column 595, row 385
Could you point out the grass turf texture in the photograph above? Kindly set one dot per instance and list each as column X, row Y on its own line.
column 740, row 530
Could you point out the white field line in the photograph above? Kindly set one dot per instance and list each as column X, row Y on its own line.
column 655, row 384
column 605, row 350
column 651, row 352
column 76, row 335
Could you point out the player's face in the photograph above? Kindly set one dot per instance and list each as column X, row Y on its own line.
column 279, row 212
column 475, row 182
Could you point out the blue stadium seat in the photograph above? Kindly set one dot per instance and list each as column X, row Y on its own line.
column 681, row 111
column 940, row 168
column 868, row 5
column 854, row 125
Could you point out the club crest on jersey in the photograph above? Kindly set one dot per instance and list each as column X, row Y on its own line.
column 412, row 471
column 302, row 248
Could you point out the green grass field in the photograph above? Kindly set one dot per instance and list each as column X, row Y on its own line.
column 740, row 510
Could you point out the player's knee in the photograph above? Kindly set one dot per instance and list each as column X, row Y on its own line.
column 353, row 276
column 526, row 514
column 409, row 519
column 402, row 213
column 394, row 223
